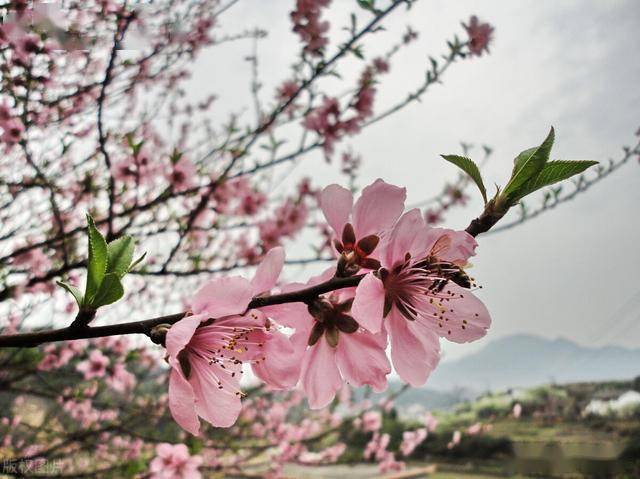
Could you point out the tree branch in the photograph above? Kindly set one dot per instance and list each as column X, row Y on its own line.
column 28, row 340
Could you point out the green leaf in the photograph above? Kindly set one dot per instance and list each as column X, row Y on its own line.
column 367, row 4
column 553, row 172
column 110, row 291
column 137, row 262
column 528, row 165
column 97, row 266
column 470, row 168
column 120, row 255
column 77, row 294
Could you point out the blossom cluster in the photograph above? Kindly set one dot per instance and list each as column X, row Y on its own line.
column 308, row 25
column 412, row 290
column 330, row 120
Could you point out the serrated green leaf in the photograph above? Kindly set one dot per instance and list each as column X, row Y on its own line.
column 553, row 172
column 110, row 291
column 97, row 264
column 120, row 255
column 75, row 292
column 470, row 168
column 528, row 165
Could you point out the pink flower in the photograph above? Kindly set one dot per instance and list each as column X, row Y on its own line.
column 455, row 440
column 371, row 421
column 432, row 216
column 517, row 410
column 120, row 379
column 286, row 90
column 206, row 356
column 5, row 111
column 422, row 293
column 12, row 131
column 377, row 446
column 173, row 461
column 430, row 422
column 390, row 464
column 358, row 228
column 334, row 348
column 479, row 36
column 381, row 65
column 411, row 440
column 327, row 121
column 307, row 24
column 182, row 174
column 475, row 429
column 95, row 366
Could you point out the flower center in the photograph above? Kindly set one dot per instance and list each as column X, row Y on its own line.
column 355, row 254
column 419, row 287
column 331, row 320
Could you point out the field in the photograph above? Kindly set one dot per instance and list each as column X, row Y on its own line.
column 553, row 437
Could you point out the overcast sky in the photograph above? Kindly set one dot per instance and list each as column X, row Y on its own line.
column 572, row 64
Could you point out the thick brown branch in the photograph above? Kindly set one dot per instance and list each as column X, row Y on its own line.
column 26, row 340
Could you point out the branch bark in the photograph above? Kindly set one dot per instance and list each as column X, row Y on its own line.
column 29, row 340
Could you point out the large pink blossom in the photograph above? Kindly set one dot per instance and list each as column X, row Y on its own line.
column 333, row 347
column 206, row 349
column 173, row 461
column 422, row 293
column 358, row 227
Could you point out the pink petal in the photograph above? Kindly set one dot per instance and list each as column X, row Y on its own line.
column 182, row 403
column 220, row 407
column 268, row 271
column 291, row 315
column 413, row 358
column 326, row 275
column 463, row 247
column 368, row 305
column 406, row 237
column 320, row 376
column 460, row 245
column 281, row 366
column 223, row 297
column 181, row 333
column 378, row 208
column 362, row 360
column 466, row 308
column 164, row 449
column 336, row 203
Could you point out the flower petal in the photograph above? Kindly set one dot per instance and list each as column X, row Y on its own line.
column 369, row 303
column 223, row 297
column 362, row 360
column 454, row 246
column 219, row 406
column 336, row 203
column 413, row 358
column 320, row 376
column 280, row 368
column 182, row 403
column 181, row 333
column 378, row 208
column 268, row 270
column 291, row 315
column 405, row 237
column 469, row 319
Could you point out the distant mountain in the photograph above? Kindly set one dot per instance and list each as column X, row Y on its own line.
column 526, row 360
